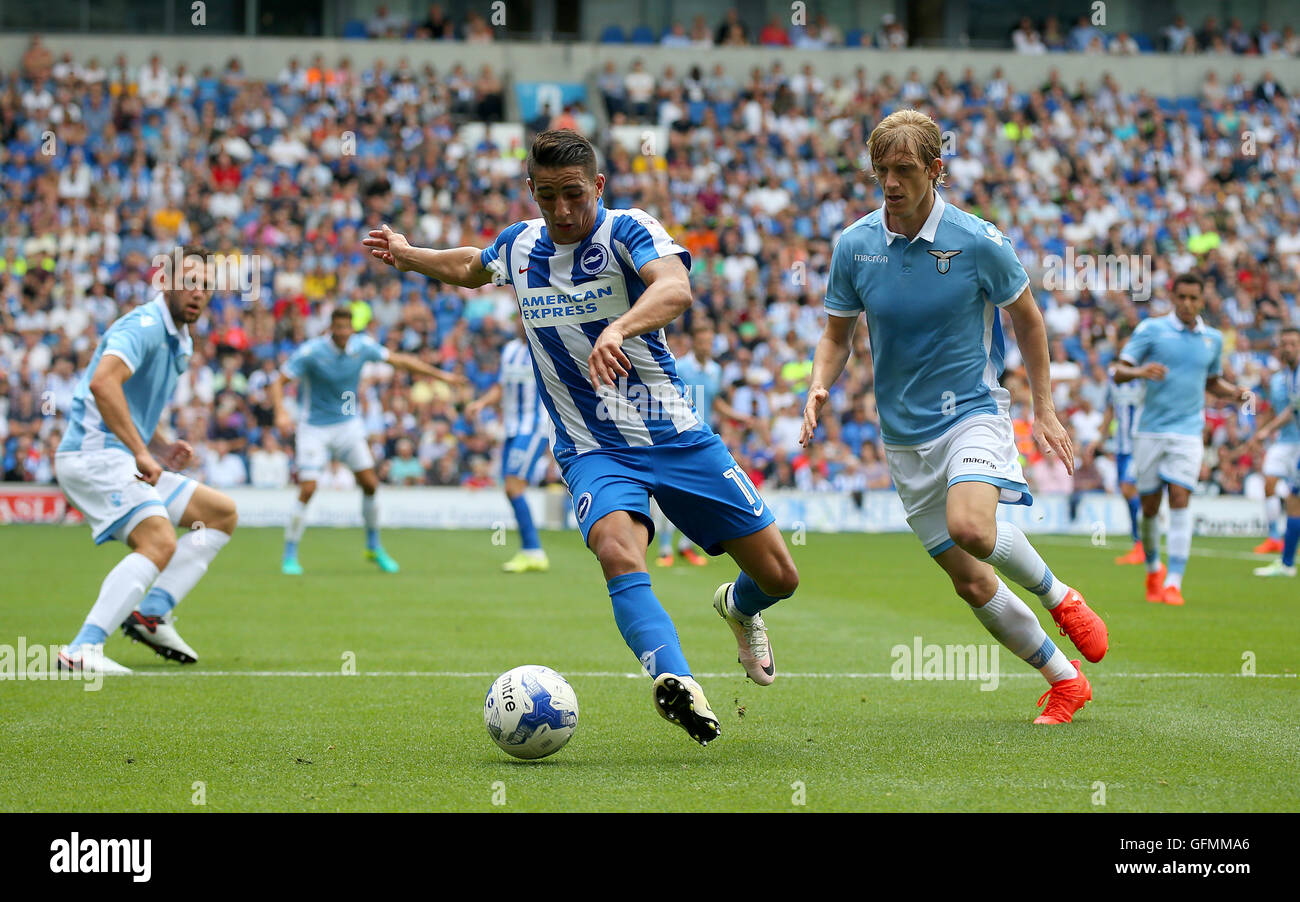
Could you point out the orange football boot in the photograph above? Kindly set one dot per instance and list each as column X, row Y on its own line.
column 1269, row 546
column 1173, row 595
column 665, row 560
column 1135, row 555
column 1156, row 585
column 1078, row 621
column 694, row 557
column 1064, row 698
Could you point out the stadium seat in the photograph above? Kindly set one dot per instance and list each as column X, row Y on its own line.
column 1145, row 44
column 355, row 29
column 643, row 34
column 723, row 111
column 696, row 110
column 853, row 37
column 613, row 34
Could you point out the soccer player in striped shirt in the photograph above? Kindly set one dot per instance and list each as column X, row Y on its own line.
column 596, row 287
column 932, row 281
column 525, row 455
column 1124, row 408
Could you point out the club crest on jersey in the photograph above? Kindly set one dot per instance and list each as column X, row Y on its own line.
column 943, row 259
column 593, row 259
column 583, row 507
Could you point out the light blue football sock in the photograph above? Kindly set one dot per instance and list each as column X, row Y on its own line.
column 157, row 603
column 290, row 551
column 646, row 627
column 89, row 635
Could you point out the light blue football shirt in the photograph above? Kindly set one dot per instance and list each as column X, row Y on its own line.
column 703, row 382
column 329, row 376
column 1175, row 405
column 932, row 311
column 1283, row 390
column 148, row 340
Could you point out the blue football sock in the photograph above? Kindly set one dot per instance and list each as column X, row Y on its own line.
column 157, row 603
column 1135, row 515
column 372, row 540
column 524, row 517
column 646, row 627
column 749, row 599
column 665, row 543
column 89, row 635
column 290, row 550
column 1291, row 539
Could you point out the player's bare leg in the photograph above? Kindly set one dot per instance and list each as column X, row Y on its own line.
column 767, row 575
column 1151, row 545
column 619, row 542
column 210, row 518
column 974, row 527
column 1013, row 624
column 369, row 483
column 1285, row 566
column 1136, row 554
column 289, row 566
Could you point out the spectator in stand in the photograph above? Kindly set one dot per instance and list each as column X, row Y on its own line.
column 384, row 24
column 1178, row 36
column 732, row 31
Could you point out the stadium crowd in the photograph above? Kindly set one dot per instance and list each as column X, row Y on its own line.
column 106, row 167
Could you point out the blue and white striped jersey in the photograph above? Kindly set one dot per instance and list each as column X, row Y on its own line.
column 148, row 340
column 567, row 294
column 1126, row 400
column 521, row 406
column 329, row 376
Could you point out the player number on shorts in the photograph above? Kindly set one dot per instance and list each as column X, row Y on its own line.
column 738, row 476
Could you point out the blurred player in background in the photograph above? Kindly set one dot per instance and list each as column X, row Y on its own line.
column 702, row 376
column 526, row 453
column 1282, row 457
column 116, row 466
column 1282, row 461
column 596, row 288
column 1180, row 357
column 932, row 281
column 1123, row 408
column 329, row 428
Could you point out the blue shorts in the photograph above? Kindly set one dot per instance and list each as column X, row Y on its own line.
column 525, row 457
column 1124, row 469
column 699, row 486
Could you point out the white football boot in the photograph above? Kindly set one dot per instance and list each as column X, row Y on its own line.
column 680, row 700
column 89, row 659
column 753, row 651
column 159, row 634
column 1277, row 568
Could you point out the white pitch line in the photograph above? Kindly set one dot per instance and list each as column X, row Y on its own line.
column 1080, row 542
column 595, row 674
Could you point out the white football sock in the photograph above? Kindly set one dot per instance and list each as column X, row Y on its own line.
column 1017, row 559
column 1150, row 533
column 194, row 551
column 297, row 522
column 1180, row 544
column 1273, row 510
column 370, row 510
column 1012, row 623
column 121, row 591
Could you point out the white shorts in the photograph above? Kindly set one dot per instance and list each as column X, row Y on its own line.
column 1175, row 459
column 1282, row 459
column 318, row 445
column 981, row 448
column 103, row 486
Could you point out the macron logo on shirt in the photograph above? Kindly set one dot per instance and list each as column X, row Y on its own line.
column 871, row 258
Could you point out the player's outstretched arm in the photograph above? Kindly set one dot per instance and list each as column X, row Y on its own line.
column 1222, row 388
column 106, row 387
column 829, row 360
column 491, row 397
column 413, row 364
column 462, row 266
column 1031, row 336
column 666, row 297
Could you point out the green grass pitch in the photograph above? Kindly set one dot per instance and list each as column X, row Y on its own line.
column 266, row 721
